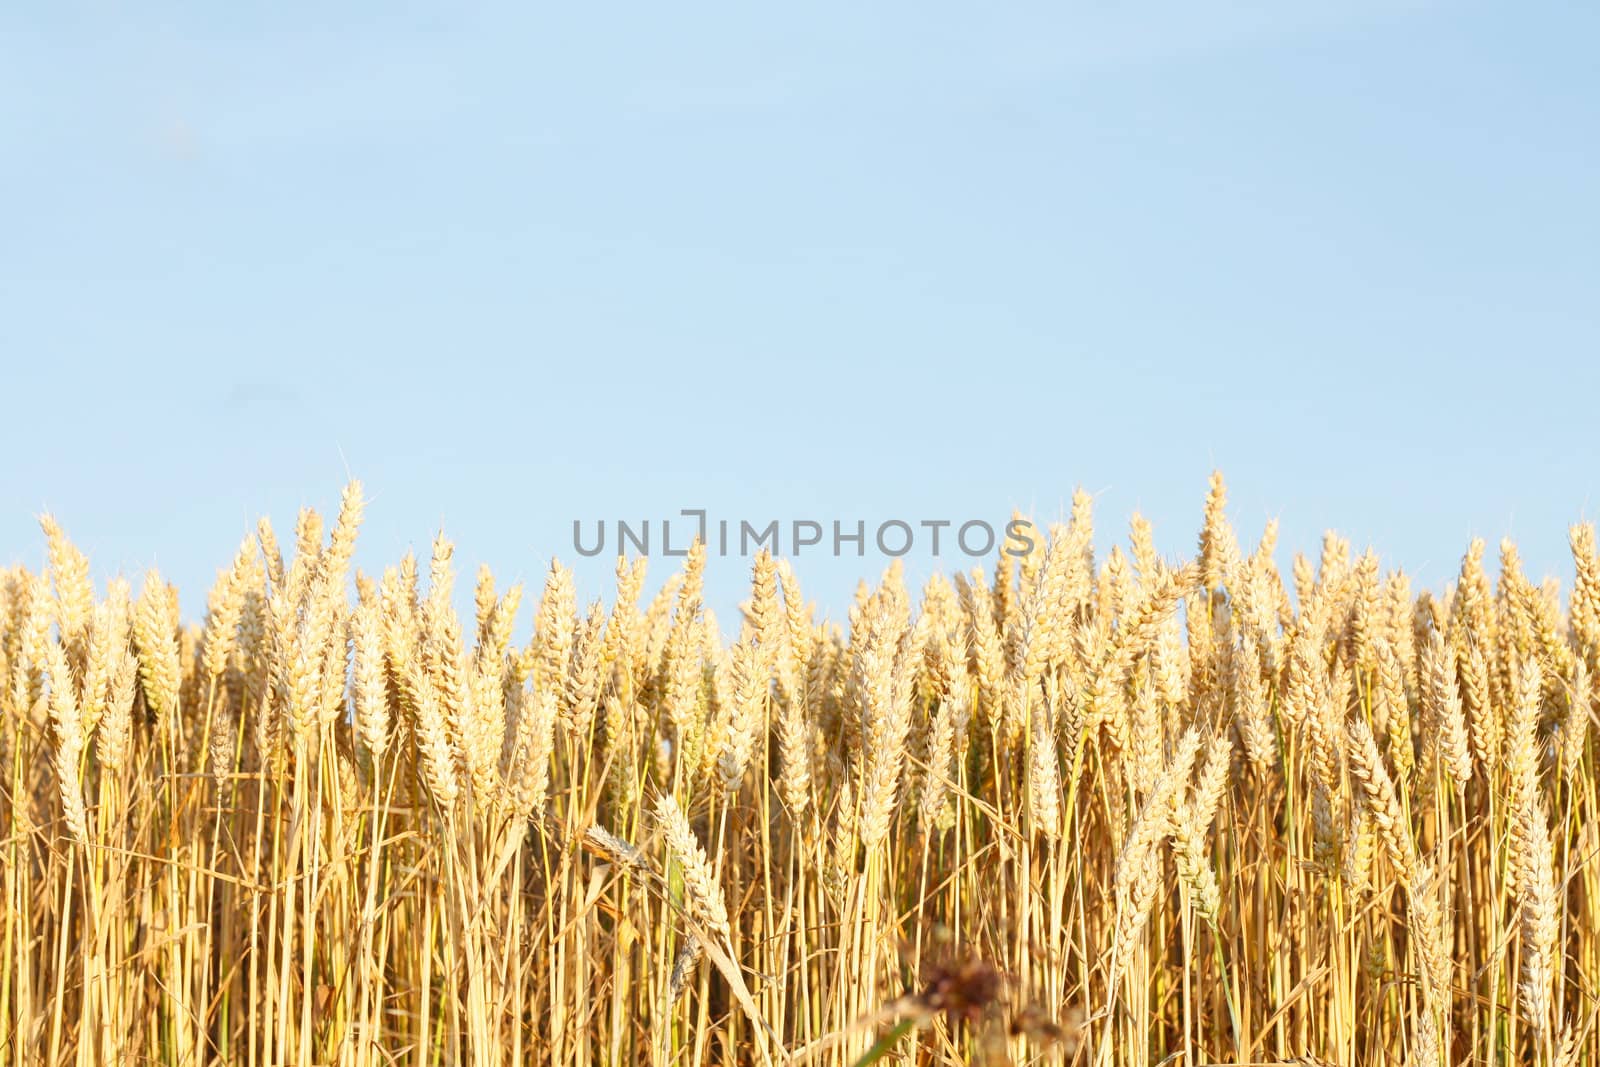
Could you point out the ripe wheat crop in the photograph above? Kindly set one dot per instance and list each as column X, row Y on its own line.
column 1062, row 810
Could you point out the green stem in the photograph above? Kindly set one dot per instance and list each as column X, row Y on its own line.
column 886, row 1042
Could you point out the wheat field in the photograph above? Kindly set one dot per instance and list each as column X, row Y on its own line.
column 1060, row 810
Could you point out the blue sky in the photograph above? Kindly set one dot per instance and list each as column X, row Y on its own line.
column 521, row 264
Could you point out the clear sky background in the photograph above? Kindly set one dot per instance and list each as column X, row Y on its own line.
column 517, row 265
